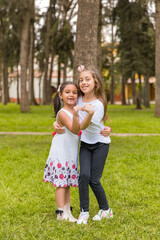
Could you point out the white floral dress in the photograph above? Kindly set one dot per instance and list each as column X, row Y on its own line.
column 62, row 164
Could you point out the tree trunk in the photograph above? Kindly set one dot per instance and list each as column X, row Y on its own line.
column 99, row 50
column 47, row 51
column 128, row 94
column 86, row 45
column 138, row 95
column 18, row 102
column 24, row 103
column 133, row 89
column 140, row 89
column 59, row 73
column 4, row 67
column 32, row 100
column 157, row 91
column 112, row 69
column 123, row 97
column 65, row 72
column 40, row 81
column 147, row 91
column 5, row 90
column 112, row 53
column 50, row 80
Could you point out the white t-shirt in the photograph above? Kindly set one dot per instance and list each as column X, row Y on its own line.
column 92, row 134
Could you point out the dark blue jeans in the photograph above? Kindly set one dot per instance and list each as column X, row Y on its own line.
column 92, row 161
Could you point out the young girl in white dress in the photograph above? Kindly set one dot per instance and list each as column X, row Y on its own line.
column 62, row 164
column 94, row 144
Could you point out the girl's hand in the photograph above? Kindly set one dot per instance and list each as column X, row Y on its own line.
column 88, row 108
column 76, row 109
column 57, row 128
column 106, row 131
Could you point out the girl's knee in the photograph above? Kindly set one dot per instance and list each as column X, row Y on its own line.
column 84, row 177
column 94, row 183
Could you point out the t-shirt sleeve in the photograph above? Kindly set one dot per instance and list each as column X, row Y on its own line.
column 98, row 114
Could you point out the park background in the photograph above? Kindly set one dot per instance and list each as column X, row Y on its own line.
column 39, row 49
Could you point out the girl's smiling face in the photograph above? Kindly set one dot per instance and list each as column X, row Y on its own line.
column 69, row 95
column 86, row 82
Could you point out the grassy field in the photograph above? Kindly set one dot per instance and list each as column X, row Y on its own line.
column 40, row 119
column 131, row 180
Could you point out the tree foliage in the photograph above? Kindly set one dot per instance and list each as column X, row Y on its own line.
column 136, row 34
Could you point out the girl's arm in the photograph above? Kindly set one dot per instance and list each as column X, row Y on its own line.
column 87, row 120
column 64, row 120
column 57, row 128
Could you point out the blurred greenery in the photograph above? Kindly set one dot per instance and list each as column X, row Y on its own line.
column 124, row 119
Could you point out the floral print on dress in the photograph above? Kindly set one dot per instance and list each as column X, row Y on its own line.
column 62, row 164
column 61, row 175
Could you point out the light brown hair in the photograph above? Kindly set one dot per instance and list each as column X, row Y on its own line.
column 99, row 90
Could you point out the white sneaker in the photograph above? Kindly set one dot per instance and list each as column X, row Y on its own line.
column 103, row 214
column 60, row 215
column 68, row 214
column 83, row 218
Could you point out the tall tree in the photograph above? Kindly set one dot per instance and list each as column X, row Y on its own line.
column 4, row 28
column 147, row 52
column 99, row 51
column 136, row 48
column 157, row 97
column 32, row 100
column 24, row 53
column 46, row 87
column 128, row 18
column 86, row 44
column 111, row 5
column 13, row 44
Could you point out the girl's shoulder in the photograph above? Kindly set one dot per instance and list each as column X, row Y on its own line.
column 70, row 115
column 94, row 102
column 98, row 103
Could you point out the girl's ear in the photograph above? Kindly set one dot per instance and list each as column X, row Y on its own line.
column 60, row 95
column 96, row 83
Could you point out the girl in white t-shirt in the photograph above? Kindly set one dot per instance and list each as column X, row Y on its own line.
column 94, row 146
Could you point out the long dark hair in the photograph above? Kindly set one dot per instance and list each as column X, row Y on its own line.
column 99, row 90
column 57, row 100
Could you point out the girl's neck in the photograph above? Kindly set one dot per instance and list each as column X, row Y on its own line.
column 69, row 108
column 89, row 97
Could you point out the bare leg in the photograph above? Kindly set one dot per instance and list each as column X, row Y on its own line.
column 67, row 206
column 60, row 197
column 67, row 195
column 63, row 204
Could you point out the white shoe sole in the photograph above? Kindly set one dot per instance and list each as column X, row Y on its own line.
column 82, row 222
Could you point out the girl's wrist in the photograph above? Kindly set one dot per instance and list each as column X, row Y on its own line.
column 91, row 113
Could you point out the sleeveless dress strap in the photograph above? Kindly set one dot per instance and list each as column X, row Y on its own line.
column 70, row 115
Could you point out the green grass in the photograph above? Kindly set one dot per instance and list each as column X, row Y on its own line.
column 40, row 119
column 130, row 178
column 124, row 119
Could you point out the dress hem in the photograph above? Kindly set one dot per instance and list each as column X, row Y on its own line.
column 65, row 185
